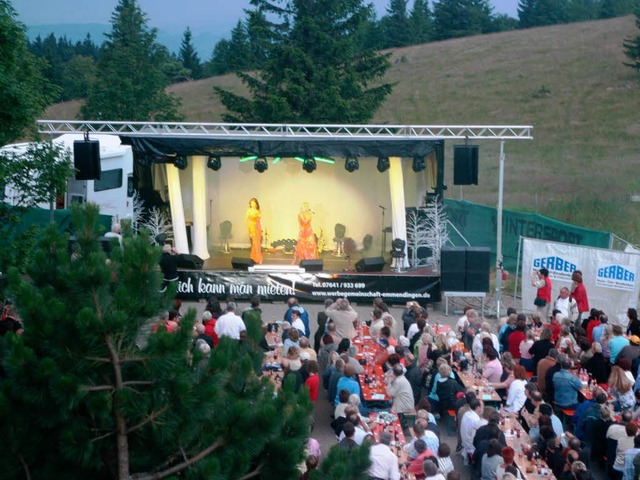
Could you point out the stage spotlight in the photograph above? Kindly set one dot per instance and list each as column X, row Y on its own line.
column 261, row 164
column 383, row 164
column 180, row 162
column 249, row 158
column 214, row 163
column 324, row 160
column 309, row 165
column 418, row 163
column 351, row 164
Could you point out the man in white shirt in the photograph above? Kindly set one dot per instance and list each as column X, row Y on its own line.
column 230, row 325
column 384, row 463
column 469, row 424
column 567, row 305
column 296, row 322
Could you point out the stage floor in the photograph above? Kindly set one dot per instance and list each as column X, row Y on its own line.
column 220, row 260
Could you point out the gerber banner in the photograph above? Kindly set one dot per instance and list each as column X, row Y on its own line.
column 610, row 276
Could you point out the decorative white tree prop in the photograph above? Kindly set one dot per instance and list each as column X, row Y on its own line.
column 417, row 236
column 437, row 234
column 138, row 212
column 157, row 223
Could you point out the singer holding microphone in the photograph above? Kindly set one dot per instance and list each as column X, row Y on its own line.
column 306, row 248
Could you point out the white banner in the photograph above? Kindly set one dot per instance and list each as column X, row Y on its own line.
column 609, row 276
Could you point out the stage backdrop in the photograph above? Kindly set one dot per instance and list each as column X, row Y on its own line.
column 610, row 277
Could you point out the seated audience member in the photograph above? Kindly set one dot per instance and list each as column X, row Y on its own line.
column 621, row 389
column 349, row 431
column 597, row 365
column 430, row 470
column 491, row 460
column 600, row 429
column 516, row 396
column 492, row 370
column 447, row 388
column 566, row 386
column 469, row 424
column 400, row 391
column 445, row 465
column 384, row 463
column 421, row 433
column 348, row 381
column 508, row 365
column 508, row 455
column 414, row 467
column 354, row 419
column 343, row 397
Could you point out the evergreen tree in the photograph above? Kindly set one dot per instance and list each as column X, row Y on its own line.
column 632, row 46
column 188, row 55
column 616, row 8
column 420, row 21
column 24, row 90
column 77, row 74
column 343, row 464
column 503, row 23
column 395, row 25
column 129, row 85
column 314, row 71
column 102, row 408
column 461, row 18
column 582, row 10
column 240, row 53
column 537, row 13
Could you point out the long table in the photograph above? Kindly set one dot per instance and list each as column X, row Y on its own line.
column 518, row 439
column 386, row 421
column 483, row 388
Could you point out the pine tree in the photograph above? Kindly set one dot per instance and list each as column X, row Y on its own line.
column 632, row 46
column 420, row 21
column 24, row 90
column 396, row 26
column 188, row 55
column 314, row 71
column 461, row 18
column 129, row 85
column 536, row 13
column 343, row 464
column 102, row 408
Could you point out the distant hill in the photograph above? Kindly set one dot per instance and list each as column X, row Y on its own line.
column 568, row 81
column 203, row 41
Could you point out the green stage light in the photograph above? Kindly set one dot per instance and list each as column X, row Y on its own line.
column 300, row 159
column 248, row 159
column 276, row 160
column 324, row 160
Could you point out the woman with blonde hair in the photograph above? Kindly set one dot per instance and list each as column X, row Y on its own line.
column 440, row 347
column 423, row 346
column 621, row 389
column 605, row 340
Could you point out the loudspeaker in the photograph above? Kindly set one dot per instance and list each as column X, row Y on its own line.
column 86, row 159
column 478, row 266
column 453, row 264
column 370, row 264
column 242, row 263
column 465, row 164
column 190, row 262
column 312, row 265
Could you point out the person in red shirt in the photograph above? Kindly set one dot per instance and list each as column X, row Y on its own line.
column 579, row 294
column 209, row 323
column 540, row 279
column 594, row 321
column 313, row 381
column 517, row 336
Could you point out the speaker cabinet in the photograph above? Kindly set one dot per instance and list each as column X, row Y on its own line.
column 465, row 164
column 86, row 159
column 190, row 262
column 240, row 263
column 312, row 265
column 478, row 267
column 453, row 264
column 370, row 264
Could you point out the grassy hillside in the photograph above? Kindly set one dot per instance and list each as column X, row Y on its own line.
column 567, row 81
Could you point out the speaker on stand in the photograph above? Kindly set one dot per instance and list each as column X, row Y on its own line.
column 465, row 164
column 86, row 159
column 453, row 264
column 478, row 268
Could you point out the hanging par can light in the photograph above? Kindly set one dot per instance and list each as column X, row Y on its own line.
column 383, row 164
column 351, row 164
column 261, row 164
column 418, row 163
column 214, row 163
column 309, row 165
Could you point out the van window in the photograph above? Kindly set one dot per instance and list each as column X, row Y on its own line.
column 109, row 179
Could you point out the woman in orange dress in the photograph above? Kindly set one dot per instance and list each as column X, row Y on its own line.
column 255, row 230
column 306, row 247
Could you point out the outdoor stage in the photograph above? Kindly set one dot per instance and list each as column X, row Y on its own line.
column 276, row 280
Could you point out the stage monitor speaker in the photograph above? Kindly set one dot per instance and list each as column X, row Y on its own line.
column 478, row 267
column 242, row 263
column 453, row 264
column 370, row 264
column 465, row 164
column 86, row 159
column 190, row 262
column 312, row 265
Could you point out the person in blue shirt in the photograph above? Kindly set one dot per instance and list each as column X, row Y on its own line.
column 348, row 382
column 304, row 315
column 617, row 343
column 566, row 386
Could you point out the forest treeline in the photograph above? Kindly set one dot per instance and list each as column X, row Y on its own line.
column 72, row 66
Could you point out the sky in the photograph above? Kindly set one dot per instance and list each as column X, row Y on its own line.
column 167, row 14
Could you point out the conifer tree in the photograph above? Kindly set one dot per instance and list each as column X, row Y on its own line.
column 343, row 464
column 81, row 400
column 129, row 84
column 536, row 13
column 395, row 25
column 420, row 21
column 188, row 55
column 632, row 46
column 24, row 91
column 315, row 71
column 461, row 18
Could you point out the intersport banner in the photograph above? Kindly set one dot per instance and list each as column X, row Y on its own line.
column 609, row 276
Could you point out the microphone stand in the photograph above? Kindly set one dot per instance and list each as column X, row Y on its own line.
column 384, row 233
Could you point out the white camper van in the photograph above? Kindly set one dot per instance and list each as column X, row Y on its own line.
column 113, row 192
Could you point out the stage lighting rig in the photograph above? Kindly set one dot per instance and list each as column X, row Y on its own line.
column 309, row 165
column 261, row 164
column 214, row 163
column 383, row 164
column 181, row 162
column 351, row 164
column 418, row 163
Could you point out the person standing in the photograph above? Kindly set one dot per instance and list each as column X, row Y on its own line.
column 255, row 230
column 579, row 294
column 540, row 279
column 306, row 247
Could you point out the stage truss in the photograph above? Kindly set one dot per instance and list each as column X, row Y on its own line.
column 258, row 131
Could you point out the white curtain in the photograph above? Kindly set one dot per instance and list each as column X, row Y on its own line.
column 398, row 216
column 199, row 206
column 177, row 210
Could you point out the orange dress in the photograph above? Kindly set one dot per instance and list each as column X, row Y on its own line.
column 255, row 234
column 306, row 247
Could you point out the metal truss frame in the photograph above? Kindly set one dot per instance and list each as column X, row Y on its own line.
column 257, row 131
